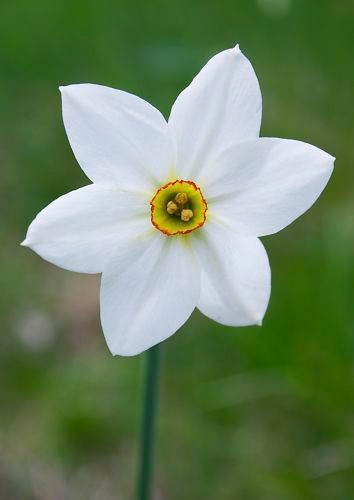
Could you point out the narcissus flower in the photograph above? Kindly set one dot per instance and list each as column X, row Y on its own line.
column 175, row 209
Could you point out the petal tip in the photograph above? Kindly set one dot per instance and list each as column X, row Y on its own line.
column 127, row 353
column 256, row 317
column 236, row 51
column 125, row 349
column 24, row 243
column 64, row 89
column 330, row 164
column 257, row 320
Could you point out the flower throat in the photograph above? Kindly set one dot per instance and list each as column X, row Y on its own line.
column 178, row 208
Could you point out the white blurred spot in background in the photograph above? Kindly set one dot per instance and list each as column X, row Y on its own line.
column 275, row 8
column 36, row 330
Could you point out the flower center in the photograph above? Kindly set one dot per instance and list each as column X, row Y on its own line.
column 178, row 208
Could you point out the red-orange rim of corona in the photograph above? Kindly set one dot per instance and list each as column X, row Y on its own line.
column 178, row 207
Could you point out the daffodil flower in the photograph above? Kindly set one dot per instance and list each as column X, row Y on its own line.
column 175, row 209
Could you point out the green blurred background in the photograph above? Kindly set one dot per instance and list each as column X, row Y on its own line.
column 250, row 413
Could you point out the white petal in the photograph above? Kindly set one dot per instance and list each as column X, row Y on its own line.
column 261, row 186
column 79, row 230
column 148, row 291
column 221, row 107
column 117, row 137
column 235, row 276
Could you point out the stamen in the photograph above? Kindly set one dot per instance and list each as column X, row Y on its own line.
column 186, row 215
column 171, row 207
column 178, row 207
column 181, row 198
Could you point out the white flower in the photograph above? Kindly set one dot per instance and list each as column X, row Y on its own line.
column 175, row 210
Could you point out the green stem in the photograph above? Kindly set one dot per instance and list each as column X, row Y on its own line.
column 151, row 384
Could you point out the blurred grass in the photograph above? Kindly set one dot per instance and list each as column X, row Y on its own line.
column 245, row 413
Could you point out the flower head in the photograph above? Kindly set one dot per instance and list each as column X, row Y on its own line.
column 175, row 209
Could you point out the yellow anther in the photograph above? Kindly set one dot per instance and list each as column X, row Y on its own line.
column 186, row 215
column 181, row 198
column 171, row 207
column 178, row 207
